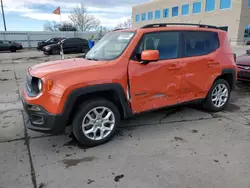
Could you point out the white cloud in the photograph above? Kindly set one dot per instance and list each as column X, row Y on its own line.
column 23, row 7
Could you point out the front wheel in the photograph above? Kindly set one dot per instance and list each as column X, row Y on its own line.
column 13, row 49
column 95, row 122
column 218, row 96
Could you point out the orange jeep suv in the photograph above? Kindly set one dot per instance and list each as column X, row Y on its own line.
column 129, row 72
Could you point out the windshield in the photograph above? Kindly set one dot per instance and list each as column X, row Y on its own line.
column 110, row 46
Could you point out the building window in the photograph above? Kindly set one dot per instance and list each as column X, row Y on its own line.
column 174, row 11
column 197, row 7
column 166, row 12
column 150, row 15
column 210, row 5
column 157, row 14
column 224, row 4
column 185, row 9
column 137, row 17
column 143, row 16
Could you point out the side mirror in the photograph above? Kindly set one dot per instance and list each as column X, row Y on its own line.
column 148, row 56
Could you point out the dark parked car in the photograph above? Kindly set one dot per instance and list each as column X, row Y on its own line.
column 12, row 46
column 69, row 45
column 40, row 45
column 243, row 64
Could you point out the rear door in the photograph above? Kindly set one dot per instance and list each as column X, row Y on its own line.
column 200, row 63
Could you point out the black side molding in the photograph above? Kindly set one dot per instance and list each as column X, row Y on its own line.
column 115, row 87
column 231, row 71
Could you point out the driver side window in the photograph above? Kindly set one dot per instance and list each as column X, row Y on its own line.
column 167, row 43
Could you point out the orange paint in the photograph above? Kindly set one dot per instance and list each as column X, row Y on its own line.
column 157, row 84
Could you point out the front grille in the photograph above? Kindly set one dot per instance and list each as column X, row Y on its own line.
column 244, row 67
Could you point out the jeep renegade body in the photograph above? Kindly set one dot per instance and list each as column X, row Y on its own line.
column 129, row 72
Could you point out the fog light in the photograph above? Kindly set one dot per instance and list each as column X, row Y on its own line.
column 35, row 108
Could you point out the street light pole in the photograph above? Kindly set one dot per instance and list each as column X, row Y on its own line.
column 3, row 15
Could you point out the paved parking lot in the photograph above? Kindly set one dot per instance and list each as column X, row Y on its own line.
column 181, row 147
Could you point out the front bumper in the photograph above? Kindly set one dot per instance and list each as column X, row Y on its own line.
column 243, row 75
column 38, row 119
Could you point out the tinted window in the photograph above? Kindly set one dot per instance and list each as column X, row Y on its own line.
column 137, row 17
column 165, row 42
column 210, row 5
column 150, row 15
column 225, row 4
column 174, row 11
column 165, row 12
column 249, row 3
column 143, row 16
column 157, row 14
column 197, row 7
column 200, row 43
column 185, row 9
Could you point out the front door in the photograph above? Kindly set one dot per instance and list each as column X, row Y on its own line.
column 200, row 64
column 156, row 84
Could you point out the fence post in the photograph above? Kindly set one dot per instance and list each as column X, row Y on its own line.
column 28, row 38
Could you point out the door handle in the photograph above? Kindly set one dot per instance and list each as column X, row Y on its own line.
column 213, row 63
column 174, row 67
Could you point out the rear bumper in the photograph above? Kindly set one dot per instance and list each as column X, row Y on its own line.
column 38, row 119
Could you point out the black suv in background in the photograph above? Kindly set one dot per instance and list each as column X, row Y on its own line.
column 12, row 46
column 70, row 45
column 40, row 45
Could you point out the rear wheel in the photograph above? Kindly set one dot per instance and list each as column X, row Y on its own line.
column 13, row 49
column 85, row 49
column 55, row 51
column 95, row 122
column 218, row 96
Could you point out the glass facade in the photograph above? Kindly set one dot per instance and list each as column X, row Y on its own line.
column 210, row 5
column 196, row 7
column 150, row 15
column 143, row 16
column 165, row 12
column 157, row 14
column 185, row 9
column 137, row 17
column 224, row 4
column 175, row 11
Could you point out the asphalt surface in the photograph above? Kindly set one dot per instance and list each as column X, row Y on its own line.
column 180, row 147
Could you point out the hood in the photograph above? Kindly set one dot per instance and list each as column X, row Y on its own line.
column 53, row 45
column 60, row 66
column 243, row 60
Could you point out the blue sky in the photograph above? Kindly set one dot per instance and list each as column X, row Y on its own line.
column 30, row 15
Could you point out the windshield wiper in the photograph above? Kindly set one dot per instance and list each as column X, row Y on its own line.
column 92, row 59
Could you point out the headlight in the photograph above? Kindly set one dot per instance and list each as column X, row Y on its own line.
column 40, row 85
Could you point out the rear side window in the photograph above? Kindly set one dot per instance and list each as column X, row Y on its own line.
column 197, row 43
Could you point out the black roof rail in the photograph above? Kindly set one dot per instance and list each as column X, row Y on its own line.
column 117, row 29
column 169, row 24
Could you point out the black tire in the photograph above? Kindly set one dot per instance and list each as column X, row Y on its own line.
column 83, row 111
column 13, row 49
column 84, row 49
column 55, row 51
column 208, row 104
